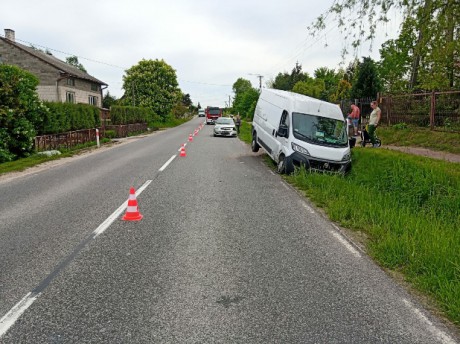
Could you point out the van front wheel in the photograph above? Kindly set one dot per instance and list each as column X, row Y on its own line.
column 281, row 167
column 254, row 145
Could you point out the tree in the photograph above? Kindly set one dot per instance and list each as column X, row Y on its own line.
column 245, row 97
column 73, row 61
column 435, row 24
column 286, row 82
column 20, row 112
column 342, row 92
column 186, row 101
column 312, row 88
column 367, row 83
column 152, row 84
column 241, row 85
column 331, row 80
column 108, row 100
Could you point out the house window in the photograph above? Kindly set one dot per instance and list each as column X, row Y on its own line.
column 94, row 87
column 92, row 100
column 70, row 97
column 70, row 82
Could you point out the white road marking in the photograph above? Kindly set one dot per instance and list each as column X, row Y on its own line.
column 167, row 163
column 345, row 243
column 308, row 208
column 185, row 144
column 106, row 224
column 284, row 184
column 444, row 338
column 273, row 173
column 13, row 315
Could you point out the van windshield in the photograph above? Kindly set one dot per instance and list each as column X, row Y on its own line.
column 319, row 130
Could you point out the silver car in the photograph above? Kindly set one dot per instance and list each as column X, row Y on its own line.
column 224, row 127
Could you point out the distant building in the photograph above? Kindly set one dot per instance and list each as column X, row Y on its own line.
column 59, row 81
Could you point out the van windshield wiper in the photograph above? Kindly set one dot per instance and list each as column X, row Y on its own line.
column 299, row 133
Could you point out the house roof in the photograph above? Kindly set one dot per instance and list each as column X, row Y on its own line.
column 62, row 66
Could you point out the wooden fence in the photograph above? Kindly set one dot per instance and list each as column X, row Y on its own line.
column 73, row 138
column 64, row 140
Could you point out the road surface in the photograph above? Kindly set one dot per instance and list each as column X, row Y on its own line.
column 226, row 252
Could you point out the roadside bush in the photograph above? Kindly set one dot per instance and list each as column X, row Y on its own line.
column 63, row 117
column 20, row 112
column 110, row 134
column 130, row 115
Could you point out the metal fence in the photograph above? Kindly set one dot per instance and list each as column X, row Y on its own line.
column 436, row 110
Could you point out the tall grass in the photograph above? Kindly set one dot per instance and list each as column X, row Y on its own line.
column 409, row 207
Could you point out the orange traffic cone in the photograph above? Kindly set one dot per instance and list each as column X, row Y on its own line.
column 182, row 151
column 132, row 212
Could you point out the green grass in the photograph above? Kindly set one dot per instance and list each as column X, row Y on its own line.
column 36, row 159
column 245, row 132
column 420, row 137
column 409, row 209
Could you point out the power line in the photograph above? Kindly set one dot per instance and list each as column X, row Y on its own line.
column 105, row 63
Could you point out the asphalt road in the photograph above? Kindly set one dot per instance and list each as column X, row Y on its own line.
column 227, row 252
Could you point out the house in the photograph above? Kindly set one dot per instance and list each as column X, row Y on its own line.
column 58, row 81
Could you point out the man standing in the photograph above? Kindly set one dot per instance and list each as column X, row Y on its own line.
column 374, row 120
column 354, row 117
column 238, row 123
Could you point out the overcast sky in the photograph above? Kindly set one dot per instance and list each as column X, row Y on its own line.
column 210, row 44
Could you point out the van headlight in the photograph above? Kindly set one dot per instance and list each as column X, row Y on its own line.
column 346, row 157
column 299, row 149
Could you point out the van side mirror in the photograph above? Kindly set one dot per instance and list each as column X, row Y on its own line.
column 282, row 131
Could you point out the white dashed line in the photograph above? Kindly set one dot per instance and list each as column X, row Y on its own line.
column 13, row 315
column 106, row 224
column 308, row 208
column 285, row 186
column 444, row 338
column 167, row 163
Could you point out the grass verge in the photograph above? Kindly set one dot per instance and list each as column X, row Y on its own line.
column 420, row 137
column 245, row 132
column 36, row 159
column 409, row 209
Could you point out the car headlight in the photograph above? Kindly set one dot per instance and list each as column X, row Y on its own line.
column 299, row 149
column 346, row 157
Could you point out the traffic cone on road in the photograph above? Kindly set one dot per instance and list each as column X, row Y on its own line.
column 132, row 212
column 190, row 138
column 182, row 151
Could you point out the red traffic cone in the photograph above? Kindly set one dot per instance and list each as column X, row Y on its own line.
column 182, row 151
column 190, row 138
column 132, row 212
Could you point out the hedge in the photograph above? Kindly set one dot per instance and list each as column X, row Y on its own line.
column 63, row 117
column 130, row 115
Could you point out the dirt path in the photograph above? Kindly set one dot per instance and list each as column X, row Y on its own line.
column 427, row 152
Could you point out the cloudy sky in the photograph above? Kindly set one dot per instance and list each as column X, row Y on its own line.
column 209, row 43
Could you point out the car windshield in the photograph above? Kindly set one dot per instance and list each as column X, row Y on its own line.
column 319, row 130
column 224, row 120
column 214, row 111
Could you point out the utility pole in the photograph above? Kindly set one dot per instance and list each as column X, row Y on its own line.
column 260, row 79
column 229, row 102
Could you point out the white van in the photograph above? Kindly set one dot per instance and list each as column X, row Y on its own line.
column 298, row 130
